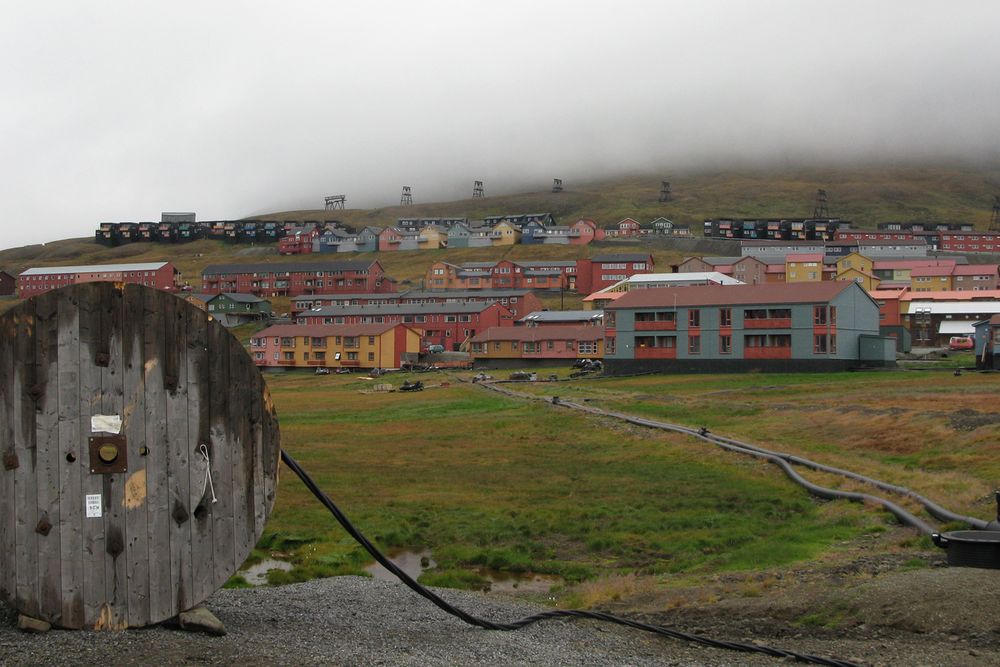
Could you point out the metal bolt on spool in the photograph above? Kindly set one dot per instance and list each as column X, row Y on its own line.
column 140, row 452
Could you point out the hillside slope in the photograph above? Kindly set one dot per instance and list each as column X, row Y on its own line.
column 865, row 195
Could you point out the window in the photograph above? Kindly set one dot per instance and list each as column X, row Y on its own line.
column 609, row 319
column 496, row 346
column 819, row 344
column 725, row 317
column 371, row 356
column 319, row 356
column 371, row 340
column 694, row 344
column 694, row 318
column 352, row 356
column 819, row 314
column 725, row 344
column 288, row 356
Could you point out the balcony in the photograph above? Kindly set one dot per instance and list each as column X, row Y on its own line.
column 663, row 325
column 768, row 323
column 656, row 353
column 767, row 352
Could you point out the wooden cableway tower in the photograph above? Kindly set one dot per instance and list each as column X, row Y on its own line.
column 140, row 454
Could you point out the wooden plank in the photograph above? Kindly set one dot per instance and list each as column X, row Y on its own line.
column 74, row 450
column 179, row 457
column 8, row 336
column 225, row 417
column 26, row 542
column 92, row 528
column 242, row 459
column 136, row 509
column 46, row 396
column 161, row 590
column 199, row 433
column 113, row 403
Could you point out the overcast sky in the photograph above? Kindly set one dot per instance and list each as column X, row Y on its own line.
column 120, row 110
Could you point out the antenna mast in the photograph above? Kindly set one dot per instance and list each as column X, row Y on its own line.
column 820, row 209
column 477, row 190
column 406, row 199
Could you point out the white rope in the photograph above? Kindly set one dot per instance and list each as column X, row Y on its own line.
column 208, row 472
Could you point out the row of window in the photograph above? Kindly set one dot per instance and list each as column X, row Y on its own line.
column 822, row 343
column 821, row 315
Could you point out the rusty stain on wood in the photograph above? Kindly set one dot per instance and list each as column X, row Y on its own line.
column 135, row 490
column 127, row 549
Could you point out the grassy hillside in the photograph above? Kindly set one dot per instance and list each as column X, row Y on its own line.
column 865, row 195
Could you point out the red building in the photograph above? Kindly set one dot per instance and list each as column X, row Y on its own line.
column 447, row 324
column 520, row 302
column 299, row 242
column 161, row 275
column 296, row 278
column 603, row 271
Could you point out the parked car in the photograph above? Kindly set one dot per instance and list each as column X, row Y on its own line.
column 435, row 349
column 961, row 343
column 322, row 371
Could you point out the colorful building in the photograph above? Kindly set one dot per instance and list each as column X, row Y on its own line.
column 448, row 324
column 500, row 347
column 296, row 278
column 817, row 326
column 384, row 346
column 160, row 275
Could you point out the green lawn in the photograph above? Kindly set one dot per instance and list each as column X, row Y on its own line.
column 486, row 481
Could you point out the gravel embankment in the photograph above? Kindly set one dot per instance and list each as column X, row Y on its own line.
column 360, row 621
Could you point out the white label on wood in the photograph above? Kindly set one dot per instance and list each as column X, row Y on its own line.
column 93, row 506
column 106, row 423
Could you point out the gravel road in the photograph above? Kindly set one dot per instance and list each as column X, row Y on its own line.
column 360, row 621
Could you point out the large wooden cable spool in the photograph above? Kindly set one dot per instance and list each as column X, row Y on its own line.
column 109, row 527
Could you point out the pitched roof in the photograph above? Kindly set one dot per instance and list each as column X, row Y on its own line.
column 928, row 271
column 804, row 257
column 400, row 309
column 465, row 294
column 563, row 316
column 322, row 330
column 954, row 295
column 976, row 270
column 533, row 334
column 382, row 296
column 885, row 264
column 93, row 268
column 241, row 298
column 722, row 295
column 289, row 267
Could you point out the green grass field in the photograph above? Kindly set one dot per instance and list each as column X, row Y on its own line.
column 484, row 481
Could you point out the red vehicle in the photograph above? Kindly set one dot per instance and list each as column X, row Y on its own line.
column 960, row 343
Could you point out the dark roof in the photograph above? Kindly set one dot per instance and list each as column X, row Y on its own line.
column 622, row 257
column 241, row 298
column 464, row 294
column 398, row 309
column 381, row 296
column 288, row 267
column 322, row 330
column 723, row 295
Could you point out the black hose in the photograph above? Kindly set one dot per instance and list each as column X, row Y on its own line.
column 558, row 613
column 782, row 460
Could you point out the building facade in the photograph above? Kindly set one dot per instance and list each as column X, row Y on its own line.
column 450, row 325
column 326, row 346
column 801, row 326
column 296, row 278
column 159, row 275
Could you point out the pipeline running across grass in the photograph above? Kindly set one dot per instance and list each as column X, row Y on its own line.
column 445, row 606
column 782, row 460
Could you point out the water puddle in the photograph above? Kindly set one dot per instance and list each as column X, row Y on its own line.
column 414, row 563
column 507, row 582
column 256, row 575
column 410, row 562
